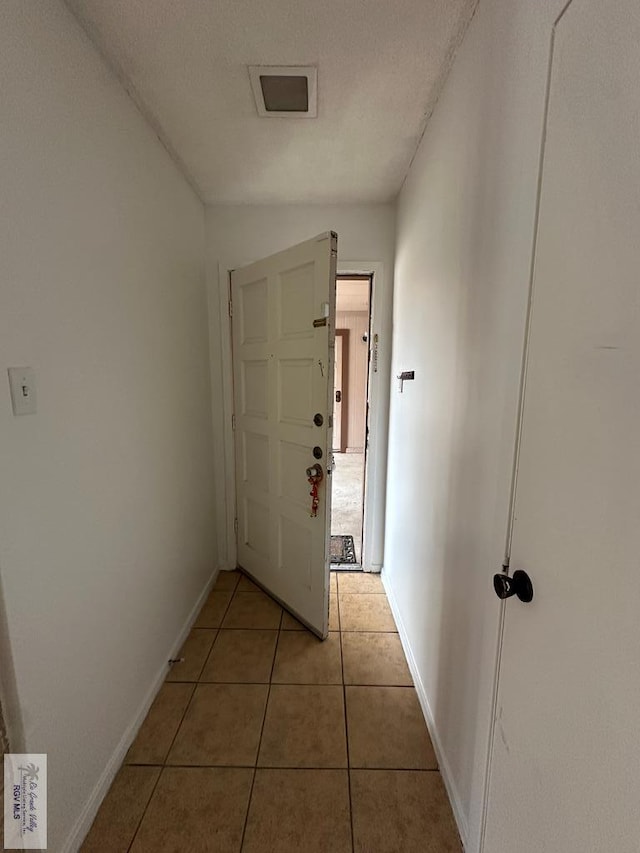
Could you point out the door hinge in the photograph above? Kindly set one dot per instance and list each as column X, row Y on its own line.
column 235, row 527
column 230, row 307
column 233, row 422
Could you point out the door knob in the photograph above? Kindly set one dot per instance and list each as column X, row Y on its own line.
column 519, row 585
column 338, row 396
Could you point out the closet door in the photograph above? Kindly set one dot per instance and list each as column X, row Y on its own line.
column 566, row 749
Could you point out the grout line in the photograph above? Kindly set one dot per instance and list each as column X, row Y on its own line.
column 207, row 656
column 300, row 683
column 271, row 628
column 246, row 817
column 179, row 726
column 144, row 811
column 284, row 767
column 195, row 685
column 302, row 629
column 217, row 630
column 164, row 763
column 346, row 725
column 264, row 719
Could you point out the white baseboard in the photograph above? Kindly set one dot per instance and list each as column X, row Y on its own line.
column 83, row 824
column 443, row 764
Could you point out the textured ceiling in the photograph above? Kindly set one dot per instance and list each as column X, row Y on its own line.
column 380, row 66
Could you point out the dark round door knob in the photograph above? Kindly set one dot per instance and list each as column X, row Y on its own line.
column 519, row 585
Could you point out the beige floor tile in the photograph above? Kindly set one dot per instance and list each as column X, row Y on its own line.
column 290, row 623
column 161, row 724
column 194, row 652
column 213, row 609
column 299, row 810
column 121, row 810
column 302, row 658
column 364, row 582
column 196, row 810
column 334, row 613
column 365, row 612
column 374, row 658
column 247, row 585
column 252, row 610
column 401, row 810
column 333, row 587
column 387, row 730
column 241, row 656
column 222, row 726
column 227, row 581
column 304, row 727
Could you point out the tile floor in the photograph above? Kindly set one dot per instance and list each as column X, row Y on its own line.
column 266, row 740
column 347, row 492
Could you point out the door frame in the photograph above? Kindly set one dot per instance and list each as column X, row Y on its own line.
column 379, row 363
column 378, row 419
column 343, row 334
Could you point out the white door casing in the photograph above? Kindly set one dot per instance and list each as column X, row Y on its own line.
column 566, row 745
column 338, row 373
column 283, row 335
column 378, row 390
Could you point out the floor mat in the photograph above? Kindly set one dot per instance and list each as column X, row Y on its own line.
column 342, row 549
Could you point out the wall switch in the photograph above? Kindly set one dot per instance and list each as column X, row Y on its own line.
column 23, row 390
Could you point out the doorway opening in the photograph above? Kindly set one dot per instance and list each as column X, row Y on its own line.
column 350, row 419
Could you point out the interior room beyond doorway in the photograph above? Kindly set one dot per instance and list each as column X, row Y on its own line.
column 353, row 320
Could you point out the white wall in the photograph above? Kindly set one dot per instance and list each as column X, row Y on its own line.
column 463, row 252
column 107, row 529
column 239, row 235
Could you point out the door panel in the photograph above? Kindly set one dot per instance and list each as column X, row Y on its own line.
column 566, row 750
column 283, row 376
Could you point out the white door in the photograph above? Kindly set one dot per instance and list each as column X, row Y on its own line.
column 565, row 774
column 283, row 310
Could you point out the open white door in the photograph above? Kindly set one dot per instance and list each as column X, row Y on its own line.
column 566, row 749
column 283, row 310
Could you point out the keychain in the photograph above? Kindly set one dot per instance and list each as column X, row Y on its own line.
column 314, row 476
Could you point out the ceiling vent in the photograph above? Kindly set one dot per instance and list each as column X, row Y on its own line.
column 285, row 91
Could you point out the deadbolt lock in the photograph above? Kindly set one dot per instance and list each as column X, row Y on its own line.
column 317, row 452
column 318, row 419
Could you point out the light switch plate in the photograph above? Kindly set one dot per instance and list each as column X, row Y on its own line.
column 23, row 390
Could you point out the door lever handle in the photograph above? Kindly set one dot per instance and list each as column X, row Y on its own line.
column 519, row 585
